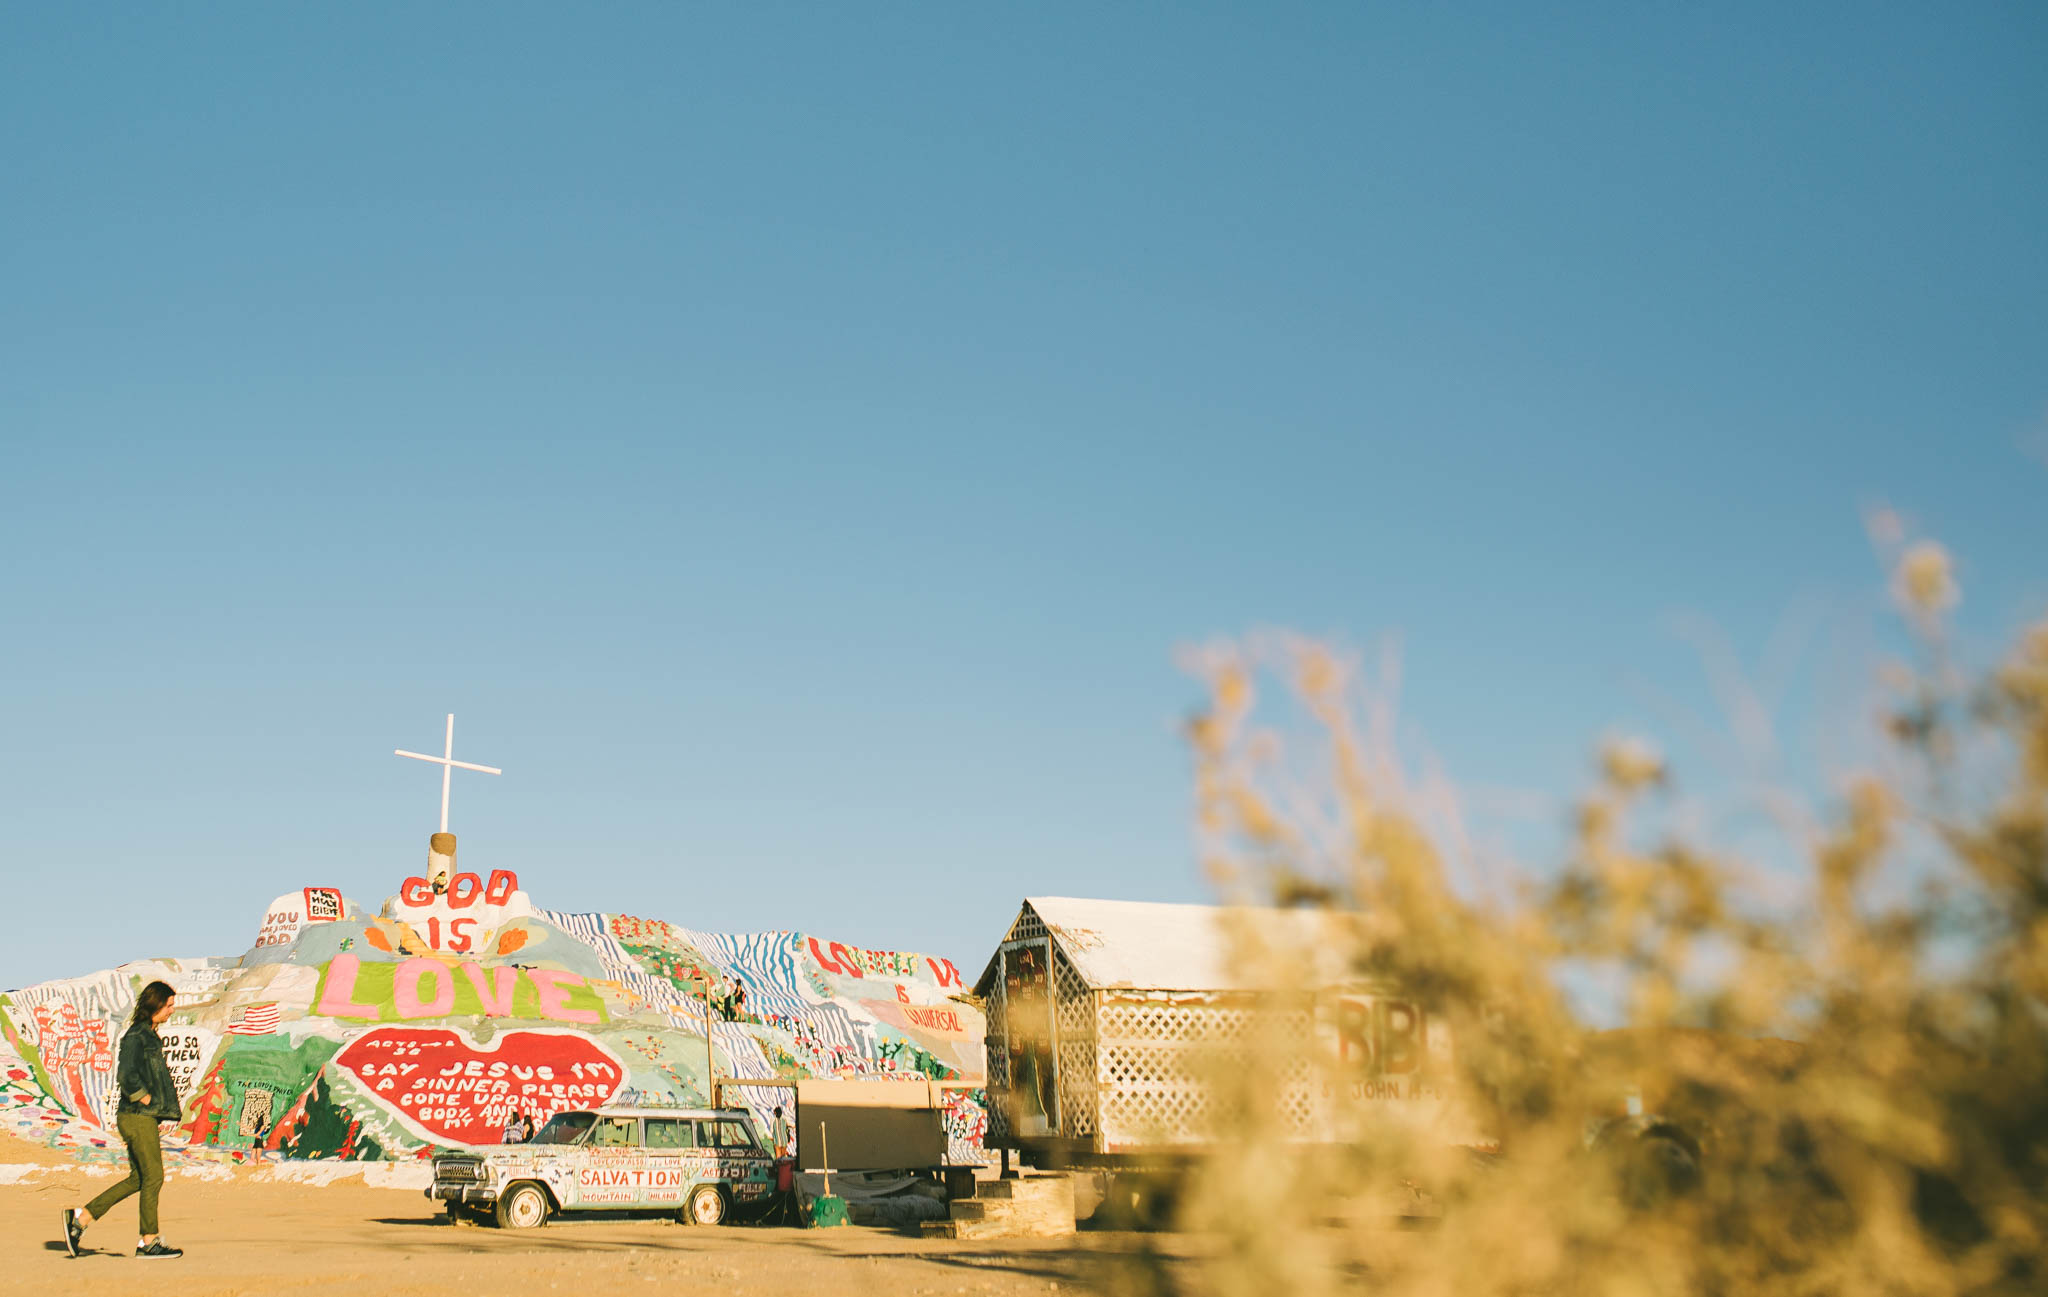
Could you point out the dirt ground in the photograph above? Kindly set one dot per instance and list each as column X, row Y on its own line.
column 247, row 1236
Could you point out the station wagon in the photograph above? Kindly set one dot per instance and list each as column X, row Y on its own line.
column 697, row 1164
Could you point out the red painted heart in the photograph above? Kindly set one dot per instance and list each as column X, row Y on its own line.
column 449, row 1091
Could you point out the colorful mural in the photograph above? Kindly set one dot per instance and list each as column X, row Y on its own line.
column 340, row 1034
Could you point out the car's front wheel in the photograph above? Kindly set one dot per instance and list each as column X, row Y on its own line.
column 523, row 1206
column 705, row 1207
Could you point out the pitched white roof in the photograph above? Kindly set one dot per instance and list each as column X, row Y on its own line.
column 1150, row 946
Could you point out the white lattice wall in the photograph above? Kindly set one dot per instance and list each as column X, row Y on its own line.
column 1156, row 1058
column 1074, row 1001
column 1074, row 1014
column 1077, row 1091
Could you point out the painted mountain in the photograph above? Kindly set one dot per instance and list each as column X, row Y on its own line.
column 342, row 1035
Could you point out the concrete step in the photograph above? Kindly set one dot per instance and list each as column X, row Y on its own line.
column 1030, row 1188
column 994, row 1229
column 1039, row 1206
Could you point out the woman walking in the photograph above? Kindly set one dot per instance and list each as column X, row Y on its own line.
column 148, row 1096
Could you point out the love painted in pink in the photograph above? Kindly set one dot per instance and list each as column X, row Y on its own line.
column 423, row 987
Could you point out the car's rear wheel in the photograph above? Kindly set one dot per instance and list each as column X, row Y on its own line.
column 523, row 1206
column 705, row 1207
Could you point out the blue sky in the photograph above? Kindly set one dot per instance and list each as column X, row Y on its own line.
column 795, row 440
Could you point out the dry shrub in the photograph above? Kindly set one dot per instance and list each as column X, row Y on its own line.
column 1853, row 1085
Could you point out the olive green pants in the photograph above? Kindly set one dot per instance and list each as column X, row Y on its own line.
column 145, row 1169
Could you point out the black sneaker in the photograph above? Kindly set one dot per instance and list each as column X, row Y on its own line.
column 73, row 1231
column 158, row 1249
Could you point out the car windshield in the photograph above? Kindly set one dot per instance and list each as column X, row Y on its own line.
column 564, row 1128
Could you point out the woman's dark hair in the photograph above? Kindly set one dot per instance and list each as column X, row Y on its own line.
column 153, row 998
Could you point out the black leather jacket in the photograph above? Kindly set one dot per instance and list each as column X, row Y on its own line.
column 142, row 1071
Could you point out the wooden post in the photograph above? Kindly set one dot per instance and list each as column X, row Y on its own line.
column 825, row 1156
column 826, row 1210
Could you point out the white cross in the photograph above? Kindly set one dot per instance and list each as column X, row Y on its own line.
column 448, row 763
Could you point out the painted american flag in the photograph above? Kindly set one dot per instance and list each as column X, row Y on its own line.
column 255, row 1020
